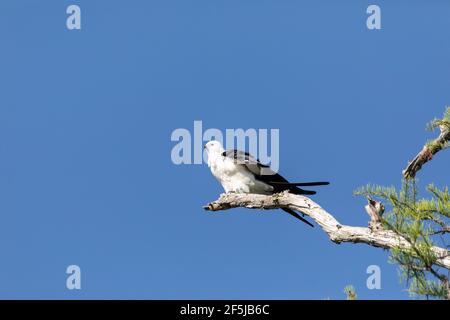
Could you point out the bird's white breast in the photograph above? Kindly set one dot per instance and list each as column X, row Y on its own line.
column 236, row 178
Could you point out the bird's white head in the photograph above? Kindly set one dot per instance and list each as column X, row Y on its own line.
column 214, row 149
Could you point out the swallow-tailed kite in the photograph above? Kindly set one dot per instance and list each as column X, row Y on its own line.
column 239, row 172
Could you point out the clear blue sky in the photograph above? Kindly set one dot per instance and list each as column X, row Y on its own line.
column 86, row 116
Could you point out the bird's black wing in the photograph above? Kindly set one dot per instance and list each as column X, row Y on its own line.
column 247, row 160
column 263, row 173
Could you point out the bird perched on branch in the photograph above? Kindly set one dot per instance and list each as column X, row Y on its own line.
column 239, row 172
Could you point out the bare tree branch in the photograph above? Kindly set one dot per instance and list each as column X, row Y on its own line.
column 374, row 235
column 427, row 153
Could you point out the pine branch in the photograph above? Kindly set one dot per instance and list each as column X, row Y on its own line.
column 432, row 147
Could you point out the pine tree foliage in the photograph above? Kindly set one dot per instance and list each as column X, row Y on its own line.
column 444, row 125
column 350, row 292
column 423, row 222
